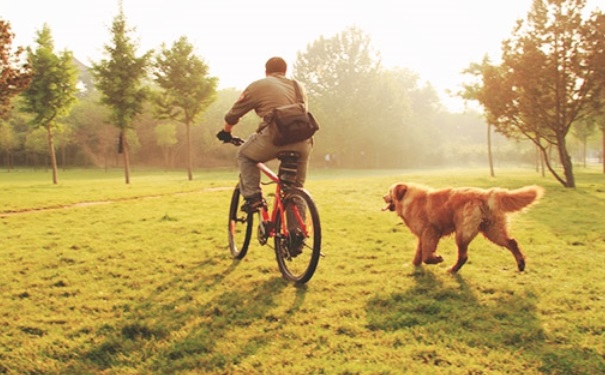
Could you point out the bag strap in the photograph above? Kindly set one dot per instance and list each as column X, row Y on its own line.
column 299, row 98
column 267, row 119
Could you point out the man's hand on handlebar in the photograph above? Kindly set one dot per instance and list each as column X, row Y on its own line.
column 226, row 137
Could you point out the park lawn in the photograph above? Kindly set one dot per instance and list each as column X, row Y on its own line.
column 139, row 280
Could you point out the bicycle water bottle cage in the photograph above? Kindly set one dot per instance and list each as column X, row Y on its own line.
column 288, row 166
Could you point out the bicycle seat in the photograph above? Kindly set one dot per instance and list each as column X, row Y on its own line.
column 288, row 156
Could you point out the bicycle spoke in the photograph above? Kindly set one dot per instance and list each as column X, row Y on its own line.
column 297, row 250
column 240, row 227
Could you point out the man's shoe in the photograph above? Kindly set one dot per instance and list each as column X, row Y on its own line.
column 253, row 205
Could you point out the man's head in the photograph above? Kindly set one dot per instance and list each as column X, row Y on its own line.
column 276, row 65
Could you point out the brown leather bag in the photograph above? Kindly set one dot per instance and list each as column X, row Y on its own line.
column 292, row 122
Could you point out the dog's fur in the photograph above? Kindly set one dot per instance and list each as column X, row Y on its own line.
column 432, row 214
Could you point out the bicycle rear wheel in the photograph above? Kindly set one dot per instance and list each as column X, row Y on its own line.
column 298, row 250
column 240, row 226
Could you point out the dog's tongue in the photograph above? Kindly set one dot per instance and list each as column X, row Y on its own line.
column 388, row 207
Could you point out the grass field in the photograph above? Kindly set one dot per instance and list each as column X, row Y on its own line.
column 100, row 277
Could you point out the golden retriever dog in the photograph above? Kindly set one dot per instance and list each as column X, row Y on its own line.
column 431, row 214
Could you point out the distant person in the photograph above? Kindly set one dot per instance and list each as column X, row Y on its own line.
column 263, row 96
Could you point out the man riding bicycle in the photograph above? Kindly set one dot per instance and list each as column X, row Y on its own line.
column 263, row 96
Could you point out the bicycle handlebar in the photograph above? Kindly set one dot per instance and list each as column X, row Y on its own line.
column 236, row 141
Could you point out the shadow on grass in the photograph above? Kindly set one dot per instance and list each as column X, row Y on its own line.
column 171, row 332
column 443, row 316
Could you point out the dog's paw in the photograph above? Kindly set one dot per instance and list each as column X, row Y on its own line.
column 434, row 260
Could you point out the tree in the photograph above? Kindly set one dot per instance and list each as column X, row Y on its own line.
column 547, row 81
column 64, row 137
column 36, row 144
column 337, row 73
column 603, row 144
column 582, row 131
column 489, row 94
column 166, row 139
column 369, row 116
column 52, row 91
column 119, row 79
column 187, row 88
column 597, row 45
column 94, row 136
column 15, row 75
column 8, row 141
column 600, row 120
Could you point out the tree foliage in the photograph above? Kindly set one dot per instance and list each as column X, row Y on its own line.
column 370, row 117
column 15, row 74
column 549, row 79
column 188, row 89
column 52, row 91
column 8, row 142
column 119, row 78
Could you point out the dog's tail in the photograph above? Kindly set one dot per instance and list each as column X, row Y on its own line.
column 516, row 200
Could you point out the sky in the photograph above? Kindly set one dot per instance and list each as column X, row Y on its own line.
column 437, row 39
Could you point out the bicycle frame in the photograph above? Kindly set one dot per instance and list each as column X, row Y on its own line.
column 278, row 206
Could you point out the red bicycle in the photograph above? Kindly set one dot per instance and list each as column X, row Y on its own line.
column 293, row 222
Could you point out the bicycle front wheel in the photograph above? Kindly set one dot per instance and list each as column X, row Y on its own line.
column 240, row 226
column 298, row 237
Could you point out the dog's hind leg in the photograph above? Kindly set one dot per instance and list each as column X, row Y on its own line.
column 513, row 246
column 497, row 234
column 462, row 253
column 466, row 231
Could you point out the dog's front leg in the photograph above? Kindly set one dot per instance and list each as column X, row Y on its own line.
column 418, row 256
column 429, row 241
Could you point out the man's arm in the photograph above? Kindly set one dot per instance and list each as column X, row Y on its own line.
column 228, row 127
column 244, row 104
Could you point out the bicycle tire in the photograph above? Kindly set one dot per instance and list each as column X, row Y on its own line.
column 240, row 226
column 298, row 268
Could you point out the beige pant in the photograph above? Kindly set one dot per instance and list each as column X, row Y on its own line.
column 259, row 148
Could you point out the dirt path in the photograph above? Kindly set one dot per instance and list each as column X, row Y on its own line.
column 97, row 203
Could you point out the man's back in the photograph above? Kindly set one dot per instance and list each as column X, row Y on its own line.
column 263, row 95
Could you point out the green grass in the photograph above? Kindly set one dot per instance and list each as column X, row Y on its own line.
column 140, row 281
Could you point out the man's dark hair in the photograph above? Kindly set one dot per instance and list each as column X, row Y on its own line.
column 276, row 65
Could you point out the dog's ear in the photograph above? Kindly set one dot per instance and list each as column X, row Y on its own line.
column 399, row 191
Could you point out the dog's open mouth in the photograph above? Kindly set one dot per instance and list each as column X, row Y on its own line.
column 389, row 207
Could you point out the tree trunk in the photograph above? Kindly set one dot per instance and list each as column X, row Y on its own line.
column 189, row 172
column 63, row 153
column 489, row 150
column 53, row 156
column 542, row 167
column 566, row 164
column 125, row 156
column 165, row 156
column 584, row 146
